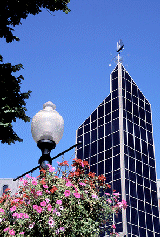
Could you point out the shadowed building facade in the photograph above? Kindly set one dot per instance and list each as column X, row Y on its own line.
column 158, row 187
column 117, row 141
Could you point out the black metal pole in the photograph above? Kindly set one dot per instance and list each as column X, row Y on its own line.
column 51, row 159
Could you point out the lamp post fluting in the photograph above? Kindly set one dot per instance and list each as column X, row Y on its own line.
column 47, row 130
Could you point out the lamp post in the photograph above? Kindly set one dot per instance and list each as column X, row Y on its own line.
column 47, row 130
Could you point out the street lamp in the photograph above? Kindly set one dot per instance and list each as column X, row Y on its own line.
column 47, row 130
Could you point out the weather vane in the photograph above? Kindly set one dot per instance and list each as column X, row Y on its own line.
column 120, row 47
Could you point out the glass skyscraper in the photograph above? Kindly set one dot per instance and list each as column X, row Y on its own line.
column 117, row 141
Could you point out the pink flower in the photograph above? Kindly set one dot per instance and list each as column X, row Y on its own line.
column 47, row 200
column 51, row 169
column 58, row 213
column 14, row 214
column 119, row 204
column 43, row 204
column 116, row 194
column 49, row 165
column 39, row 193
column 67, row 193
column 57, row 231
column 25, row 182
column 59, row 202
column 28, row 176
column 45, row 186
column 94, row 196
column 1, row 210
column 21, row 233
column 51, row 223
column 124, row 204
column 6, row 229
column 18, row 215
column 49, row 207
column 54, row 210
column 109, row 200
column 68, row 184
column 39, row 209
column 16, row 200
column 77, row 195
column 61, row 207
column 26, row 216
column 114, row 226
column 13, row 208
column 35, row 207
column 82, row 164
column 108, row 194
column 31, row 225
column 34, row 182
column 12, row 232
column 74, row 169
column 82, row 184
column 62, row 228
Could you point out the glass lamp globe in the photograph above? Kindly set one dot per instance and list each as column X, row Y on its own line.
column 47, row 124
column 47, row 130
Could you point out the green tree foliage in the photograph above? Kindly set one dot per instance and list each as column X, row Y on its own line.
column 12, row 11
column 12, row 101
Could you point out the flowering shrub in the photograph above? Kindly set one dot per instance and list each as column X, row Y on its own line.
column 62, row 203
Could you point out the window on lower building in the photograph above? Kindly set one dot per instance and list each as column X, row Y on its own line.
column 4, row 188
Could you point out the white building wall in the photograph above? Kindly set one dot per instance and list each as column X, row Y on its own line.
column 12, row 185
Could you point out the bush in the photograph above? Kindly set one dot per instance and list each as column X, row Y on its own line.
column 62, row 203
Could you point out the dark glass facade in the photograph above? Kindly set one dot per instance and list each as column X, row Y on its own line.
column 117, row 141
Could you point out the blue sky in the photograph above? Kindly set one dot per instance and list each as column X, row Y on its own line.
column 66, row 60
